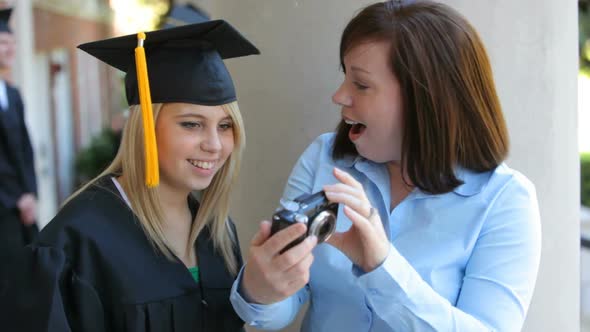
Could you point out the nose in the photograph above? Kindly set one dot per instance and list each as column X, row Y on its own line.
column 341, row 97
column 212, row 142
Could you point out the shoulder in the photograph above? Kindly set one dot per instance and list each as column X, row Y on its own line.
column 318, row 155
column 10, row 87
column 12, row 90
column 94, row 213
column 512, row 205
column 507, row 182
column 320, row 147
column 497, row 182
column 502, row 198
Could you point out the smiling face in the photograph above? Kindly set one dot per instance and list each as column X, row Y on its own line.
column 371, row 102
column 194, row 142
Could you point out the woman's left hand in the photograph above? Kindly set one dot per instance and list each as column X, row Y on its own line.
column 365, row 243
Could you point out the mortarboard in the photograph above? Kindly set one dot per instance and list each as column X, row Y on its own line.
column 4, row 18
column 182, row 64
column 184, row 14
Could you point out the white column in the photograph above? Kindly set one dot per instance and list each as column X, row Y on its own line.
column 285, row 98
column 24, row 31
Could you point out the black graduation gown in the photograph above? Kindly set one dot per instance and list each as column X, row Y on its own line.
column 17, row 168
column 94, row 269
column 17, row 176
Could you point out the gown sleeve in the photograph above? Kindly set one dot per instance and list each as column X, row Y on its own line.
column 236, row 241
column 43, row 293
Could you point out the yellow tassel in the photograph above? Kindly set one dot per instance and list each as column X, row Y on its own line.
column 152, row 175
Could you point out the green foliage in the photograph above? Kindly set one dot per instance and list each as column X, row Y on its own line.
column 93, row 159
column 585, row 178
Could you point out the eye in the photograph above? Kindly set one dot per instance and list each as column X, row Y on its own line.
column 191, row 124
column 226, row 126
column 360, row 86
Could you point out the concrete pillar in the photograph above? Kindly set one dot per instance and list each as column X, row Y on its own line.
column 285, row 98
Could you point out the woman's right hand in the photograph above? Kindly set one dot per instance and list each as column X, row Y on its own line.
column 270, row 276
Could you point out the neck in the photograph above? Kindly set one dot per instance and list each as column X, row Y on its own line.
column 400, row 184
column 172, row 199
column 177, row 223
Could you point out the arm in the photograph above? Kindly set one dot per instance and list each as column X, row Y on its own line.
column 28, row 174
column 499, row 277
column 273, row 316
column 279, row 314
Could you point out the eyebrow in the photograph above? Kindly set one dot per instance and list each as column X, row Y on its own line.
column 355, row 68
column 192, row 115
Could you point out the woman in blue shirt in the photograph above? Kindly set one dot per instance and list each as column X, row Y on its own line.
column 434, row 232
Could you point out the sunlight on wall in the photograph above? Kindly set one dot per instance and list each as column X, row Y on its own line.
column 132, row 16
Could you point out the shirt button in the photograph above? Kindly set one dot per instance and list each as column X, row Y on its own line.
column 373, row 291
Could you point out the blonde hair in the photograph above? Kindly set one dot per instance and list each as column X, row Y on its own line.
column 145, row 202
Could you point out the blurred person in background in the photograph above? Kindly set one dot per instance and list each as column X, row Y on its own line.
column 18, row 187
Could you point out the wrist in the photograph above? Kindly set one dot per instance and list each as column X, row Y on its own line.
column 245, row 291
column 378, row 260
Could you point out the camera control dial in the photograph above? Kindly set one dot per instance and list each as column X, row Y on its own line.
column 301, row 218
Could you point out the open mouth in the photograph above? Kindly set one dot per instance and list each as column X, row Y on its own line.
column 207, row 165
column 356, row 129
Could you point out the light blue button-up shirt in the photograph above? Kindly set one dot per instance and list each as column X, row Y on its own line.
column 466, row 260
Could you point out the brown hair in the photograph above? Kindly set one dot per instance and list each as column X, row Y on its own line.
column 452, row 114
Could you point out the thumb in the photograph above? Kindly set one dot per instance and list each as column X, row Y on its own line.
column 262, row 235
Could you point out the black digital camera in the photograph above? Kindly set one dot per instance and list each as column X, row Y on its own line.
column 313, row 210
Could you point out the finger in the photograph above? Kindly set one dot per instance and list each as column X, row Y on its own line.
column 298, row 275
column 262, row 235
column 30, row 216
column 345, row 188
column 283, row 237
column 29, row 221
column 361, row 206
column 346, row 178
column 296, row 254
column 362, row 224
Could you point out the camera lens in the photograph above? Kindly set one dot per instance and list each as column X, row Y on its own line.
column 323, row 225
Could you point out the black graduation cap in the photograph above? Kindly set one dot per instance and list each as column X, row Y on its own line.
column 185, row 14
column 182, row 64
column 4, row 18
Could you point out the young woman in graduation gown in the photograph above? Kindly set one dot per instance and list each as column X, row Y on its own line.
column 134, row 250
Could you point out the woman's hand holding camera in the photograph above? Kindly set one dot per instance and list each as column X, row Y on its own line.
column 269, row 276
column 365, row 243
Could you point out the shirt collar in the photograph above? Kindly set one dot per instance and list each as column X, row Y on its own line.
column 473, row 182
column 3, row 96
column 348, row 161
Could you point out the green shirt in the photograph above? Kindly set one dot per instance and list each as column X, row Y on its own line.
column 194, row 272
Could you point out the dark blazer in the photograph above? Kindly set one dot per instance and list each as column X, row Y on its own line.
column 17, row 168
column 92, row 268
